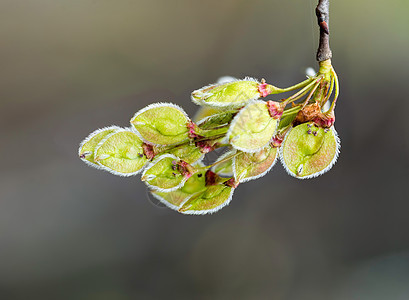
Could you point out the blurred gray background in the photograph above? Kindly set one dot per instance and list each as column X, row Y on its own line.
column 68, row 231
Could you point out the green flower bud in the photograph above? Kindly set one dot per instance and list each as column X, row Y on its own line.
column 166, row 173
column 309, row 151
column 87, row 146
column 174, row 199
column 121, row 153
column 249, row 166
column 212, row 199
column 161, row 124
column 252, row 128
column 187, row 152
column 233, row 94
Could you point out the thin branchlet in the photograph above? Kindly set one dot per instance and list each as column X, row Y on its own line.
column 322, row 12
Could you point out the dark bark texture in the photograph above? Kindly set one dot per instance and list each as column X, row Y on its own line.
column 322, row 12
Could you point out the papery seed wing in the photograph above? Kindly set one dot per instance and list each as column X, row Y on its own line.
column 250, row 166
column 252, row 128
column 121, row 153
column 309, row 151
column 231, row 94
column 87, row 146
column 214, row 198
column 161, row 124
column 162, row 174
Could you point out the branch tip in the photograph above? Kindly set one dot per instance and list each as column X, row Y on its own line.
column 322, row 12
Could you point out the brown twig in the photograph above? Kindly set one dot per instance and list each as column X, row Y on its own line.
column 322, row 12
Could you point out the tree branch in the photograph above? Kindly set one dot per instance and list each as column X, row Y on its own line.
column 322, row 12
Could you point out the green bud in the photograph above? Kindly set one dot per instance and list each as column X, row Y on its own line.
column 163, row 174
column 121, row 153
column 249, row 166
column 161, row 124
column 87, row 146
column 212, row 199
column 233, row 94
column 252, row 128
column 309, row 151
column 174, row 199
column 187, row 152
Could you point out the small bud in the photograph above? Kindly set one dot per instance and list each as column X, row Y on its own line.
column 212, row 199
column 192, row 130
column 185, row 169
column 250, row 166
column 87, row 146
column 264, row 89
column 276, row 141
column 149, row 151
column 309, row 155
column 205, row 146
column 267, row 89
column 160, row 175
column 252, row 128
column 325, row 120
column 119, row 153
column 275, row 109
column 161, row 124
column 232, row 94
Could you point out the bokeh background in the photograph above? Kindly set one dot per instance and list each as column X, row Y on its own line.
column 68, row 231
